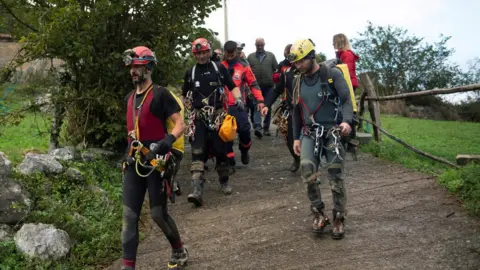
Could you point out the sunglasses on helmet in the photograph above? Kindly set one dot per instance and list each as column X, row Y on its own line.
column 129, row 56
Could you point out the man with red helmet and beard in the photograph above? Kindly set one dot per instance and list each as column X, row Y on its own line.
column 203, row 93
column 148, row 108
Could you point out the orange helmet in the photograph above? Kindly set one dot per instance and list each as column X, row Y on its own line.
column 200, row 45
column 139, row 55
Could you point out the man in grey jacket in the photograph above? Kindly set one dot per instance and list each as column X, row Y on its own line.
column 263, row 64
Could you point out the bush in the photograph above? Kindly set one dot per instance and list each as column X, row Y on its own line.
column 92, row 220
column 465, row 182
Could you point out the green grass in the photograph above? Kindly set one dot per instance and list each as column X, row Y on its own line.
column 444, row 139
column 56, row 200
column 31, row 133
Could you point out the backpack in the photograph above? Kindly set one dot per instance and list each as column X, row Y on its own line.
column 346, row 74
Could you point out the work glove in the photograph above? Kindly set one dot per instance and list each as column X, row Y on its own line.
column 239, row 103
column 128, row 160
column 161, row 147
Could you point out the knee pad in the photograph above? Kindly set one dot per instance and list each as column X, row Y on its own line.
column 197, row 166
column 307, row 169
column 197, row 154
column 129, row 224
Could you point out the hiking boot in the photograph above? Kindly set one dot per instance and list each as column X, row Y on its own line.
column 179, row 259
column 320, row 220
column 337, row 230
column 245, row 157
column 226, row 187
column 266, row 132
column 295, row 165
column 196, row 196
column 231, row 168
column 176, row 188
column 258, row 133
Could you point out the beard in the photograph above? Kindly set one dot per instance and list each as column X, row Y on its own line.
column 138, row 78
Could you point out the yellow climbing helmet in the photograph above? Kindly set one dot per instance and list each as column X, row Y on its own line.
column 300, row 49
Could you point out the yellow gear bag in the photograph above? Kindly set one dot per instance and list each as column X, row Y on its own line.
column 228, row 130
column 346, row 75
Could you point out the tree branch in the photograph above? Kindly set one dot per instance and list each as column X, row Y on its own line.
column 442, row 91
column 15, row 16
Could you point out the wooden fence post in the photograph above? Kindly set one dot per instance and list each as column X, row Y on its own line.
column 373, row 105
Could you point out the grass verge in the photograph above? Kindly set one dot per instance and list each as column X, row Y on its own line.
column 444, row 139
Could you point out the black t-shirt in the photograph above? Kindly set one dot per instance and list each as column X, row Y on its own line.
column 205, row 83
column 163, row 104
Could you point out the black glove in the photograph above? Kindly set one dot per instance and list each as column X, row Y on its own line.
column 239, row 103
column 164, row 146
column 128, row 160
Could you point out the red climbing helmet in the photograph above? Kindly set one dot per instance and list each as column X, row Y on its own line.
column 200, row 45
column 139, row 55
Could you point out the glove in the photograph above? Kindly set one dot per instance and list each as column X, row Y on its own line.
column 239, row 103
column 260, row 106
column 128, row 160
column 164, row 146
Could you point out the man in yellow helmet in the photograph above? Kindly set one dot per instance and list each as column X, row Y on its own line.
column 322, row 114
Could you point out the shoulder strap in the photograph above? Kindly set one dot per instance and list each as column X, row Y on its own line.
column 219, row 75
column 193, row 73
column 326, row 79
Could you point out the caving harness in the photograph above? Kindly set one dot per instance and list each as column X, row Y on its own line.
column 316, row 131
column 140, row 155
column 211, row 117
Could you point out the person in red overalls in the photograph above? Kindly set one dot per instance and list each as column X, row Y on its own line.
column 243, row 77
column 148, row 108
column 347, row 56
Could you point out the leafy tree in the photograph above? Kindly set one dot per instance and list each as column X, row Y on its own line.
column 89, row 36
column 320, row 57
column 403, row 62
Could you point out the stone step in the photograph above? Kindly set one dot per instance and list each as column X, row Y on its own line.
column 364, row 138
column 464, row 159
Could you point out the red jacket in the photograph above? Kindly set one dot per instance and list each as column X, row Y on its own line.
column 243, row 75
column 348, row 57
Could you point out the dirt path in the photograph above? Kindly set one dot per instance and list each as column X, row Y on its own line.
column 397, row 219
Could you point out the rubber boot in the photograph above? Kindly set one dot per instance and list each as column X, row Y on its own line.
column 245, row 157
column 231, row 169
column 196, row 196
column 296, row 164
column 258, row 132
column 320, row 220
column 338, row 222
column 179, row 259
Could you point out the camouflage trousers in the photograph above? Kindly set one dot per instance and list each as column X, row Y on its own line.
column 309, row 164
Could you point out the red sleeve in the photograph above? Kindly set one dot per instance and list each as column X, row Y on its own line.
column 276, row 76
column 348, row 58
column 252, row 82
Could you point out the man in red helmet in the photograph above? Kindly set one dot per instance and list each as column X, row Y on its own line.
column 203, row 93
column 148, row 108
column 242, row 75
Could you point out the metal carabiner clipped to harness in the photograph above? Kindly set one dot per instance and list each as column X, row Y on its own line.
column 318, row 138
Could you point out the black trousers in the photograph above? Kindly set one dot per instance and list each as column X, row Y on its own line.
column 134, row 189
column 204, row 142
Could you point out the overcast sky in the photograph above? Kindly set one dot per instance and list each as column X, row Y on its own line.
column 281, row 22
